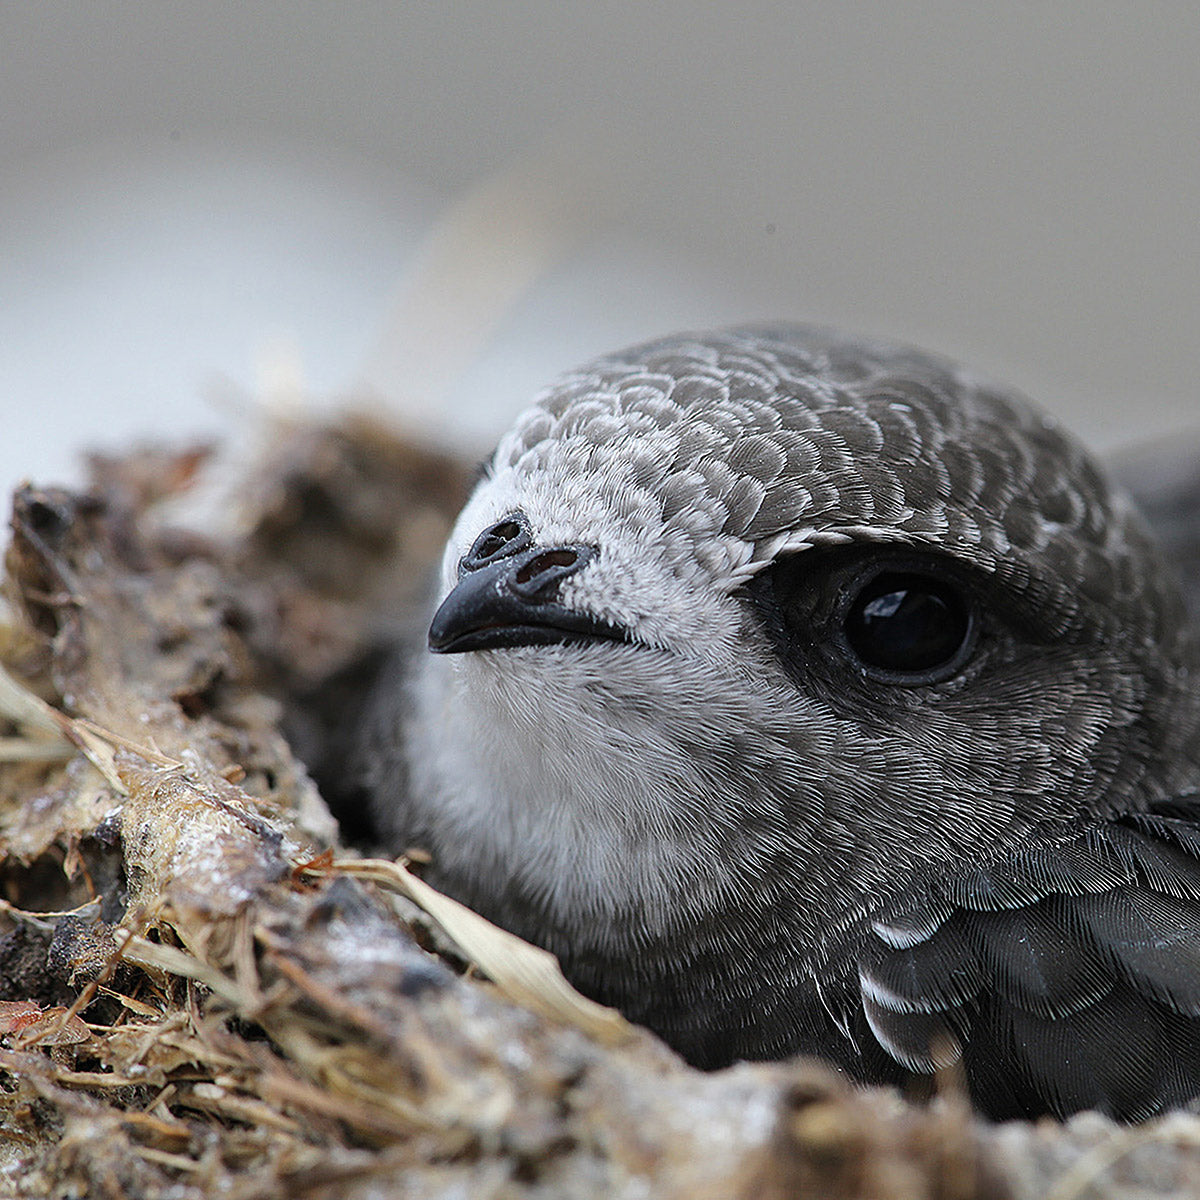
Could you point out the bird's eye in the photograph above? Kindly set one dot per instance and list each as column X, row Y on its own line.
column 910, row 627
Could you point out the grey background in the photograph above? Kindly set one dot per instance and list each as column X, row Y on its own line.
column 183, row 185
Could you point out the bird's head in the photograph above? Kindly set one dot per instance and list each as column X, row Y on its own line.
column 773, row 620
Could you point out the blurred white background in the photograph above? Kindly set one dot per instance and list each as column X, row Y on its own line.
column 185, row 186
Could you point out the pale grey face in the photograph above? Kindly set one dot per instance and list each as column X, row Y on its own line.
column 771, row 618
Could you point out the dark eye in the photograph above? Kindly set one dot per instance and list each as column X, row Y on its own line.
column 910, row 627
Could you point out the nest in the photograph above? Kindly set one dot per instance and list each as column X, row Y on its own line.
column 204, row 992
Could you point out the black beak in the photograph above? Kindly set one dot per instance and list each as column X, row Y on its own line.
column 512, row 601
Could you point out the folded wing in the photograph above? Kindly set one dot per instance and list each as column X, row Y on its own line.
column 1064, row 976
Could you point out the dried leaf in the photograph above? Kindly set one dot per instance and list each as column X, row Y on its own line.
column 36, row 1026
column 525, row 973
column 16, row 1015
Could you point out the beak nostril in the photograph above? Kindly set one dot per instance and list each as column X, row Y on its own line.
column 550, row 564
column 501, row 540
column 498, row 537
column 536, row 577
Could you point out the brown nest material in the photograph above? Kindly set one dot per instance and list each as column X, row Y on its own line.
column 204, row 994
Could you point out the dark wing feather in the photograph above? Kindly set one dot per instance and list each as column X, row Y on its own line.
column 1032, row 964
column 1151, row 941
column 933, row 974
column 922, row 1042
column 1066, row 974
column 1176, row 822
column 1087, row 862
column 1122, row 1056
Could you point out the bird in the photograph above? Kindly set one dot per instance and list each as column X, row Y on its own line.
column 807, row 693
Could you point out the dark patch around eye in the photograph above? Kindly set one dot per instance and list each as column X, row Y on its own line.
column 894, row 617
